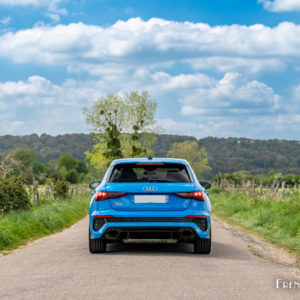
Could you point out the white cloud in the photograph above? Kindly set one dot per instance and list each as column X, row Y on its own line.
column 11, row 127
column 6, row 20
column 231, row 95
column 296, row 92
column 137, row 55
column 230, row 106
column 20, row 2
column 53, row 11
column 247, row 65
column 53, row 17
column 176, row 127
column 155, row 43
column 37, row 3
column 281, row 5
column 42, row 106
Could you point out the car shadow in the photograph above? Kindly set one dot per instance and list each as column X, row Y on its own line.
column 219, row 250
column 150, row 249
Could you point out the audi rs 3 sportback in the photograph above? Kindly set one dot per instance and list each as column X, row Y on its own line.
column 150, row 198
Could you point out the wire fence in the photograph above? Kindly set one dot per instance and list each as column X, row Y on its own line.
column 274, row 191
column 44, row 192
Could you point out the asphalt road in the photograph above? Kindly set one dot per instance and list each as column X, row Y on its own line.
column 61, row 267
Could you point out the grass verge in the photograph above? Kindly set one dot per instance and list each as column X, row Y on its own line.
column 277, row 221
column 18, row 228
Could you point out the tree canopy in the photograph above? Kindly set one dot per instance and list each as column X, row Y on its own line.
column 225, row 155
column 123, row 126
column 197, row 157
column 25, row 156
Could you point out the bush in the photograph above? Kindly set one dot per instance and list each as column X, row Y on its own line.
column 13, row 195
column 61, row 189
column 72, row 176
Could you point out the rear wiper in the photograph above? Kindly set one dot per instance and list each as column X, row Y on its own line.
column 158, row 180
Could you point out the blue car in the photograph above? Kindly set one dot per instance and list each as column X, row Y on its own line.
column 150, row 198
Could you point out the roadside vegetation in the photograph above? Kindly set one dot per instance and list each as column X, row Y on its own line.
column 20, row 227
column 28, row 213
column 263, row 212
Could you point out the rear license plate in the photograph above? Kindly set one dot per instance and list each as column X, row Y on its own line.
column 150, row 198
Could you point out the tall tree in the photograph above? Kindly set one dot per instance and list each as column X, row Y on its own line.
column 197, row 157
column 121, row 125
column 107, row 119
column 141, row 109
column 24, row 155
column 67, row 160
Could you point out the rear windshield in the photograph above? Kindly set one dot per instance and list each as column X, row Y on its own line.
column 150, row 172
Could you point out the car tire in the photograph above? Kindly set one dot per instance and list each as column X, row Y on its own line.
column 202, row 246
column 96, row 245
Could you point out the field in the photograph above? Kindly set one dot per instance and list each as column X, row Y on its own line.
column 272, row 217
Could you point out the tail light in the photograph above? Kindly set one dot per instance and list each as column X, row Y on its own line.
column 199, row 196
column 100, row 196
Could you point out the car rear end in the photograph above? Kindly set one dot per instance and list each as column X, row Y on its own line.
column 150, row 199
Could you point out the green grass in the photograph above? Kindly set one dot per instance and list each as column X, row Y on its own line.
column 278, row 221
column 17, row 228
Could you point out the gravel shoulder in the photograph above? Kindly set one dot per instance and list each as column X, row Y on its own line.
column 259, row 247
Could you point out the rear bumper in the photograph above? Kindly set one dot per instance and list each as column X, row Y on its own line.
column 169, row 225
column 184, row 234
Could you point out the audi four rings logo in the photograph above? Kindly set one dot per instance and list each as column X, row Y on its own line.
column 150, row 188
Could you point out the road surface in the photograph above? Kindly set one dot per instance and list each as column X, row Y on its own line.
column 61, row 267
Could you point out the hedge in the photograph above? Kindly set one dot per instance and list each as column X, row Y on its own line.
column 13, row 195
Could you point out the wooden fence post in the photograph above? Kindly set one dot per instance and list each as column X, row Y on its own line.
column 51, row 191
column 47, row 192
column 76, row 189
column 35, row 191
column 69, row 188
column 83, row 189
column 277, row 187
column 273, row 186
column 282, row 190
column 260, row 189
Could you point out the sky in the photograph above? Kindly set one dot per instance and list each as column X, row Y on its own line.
column 216, row 68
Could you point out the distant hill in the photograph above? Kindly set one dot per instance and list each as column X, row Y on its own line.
column 48, row 147
column 224, row 154
column 257, row 156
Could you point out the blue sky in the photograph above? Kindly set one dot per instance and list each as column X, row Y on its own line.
column 216, row 68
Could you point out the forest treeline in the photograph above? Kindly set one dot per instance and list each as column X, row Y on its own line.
column 225, row 155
